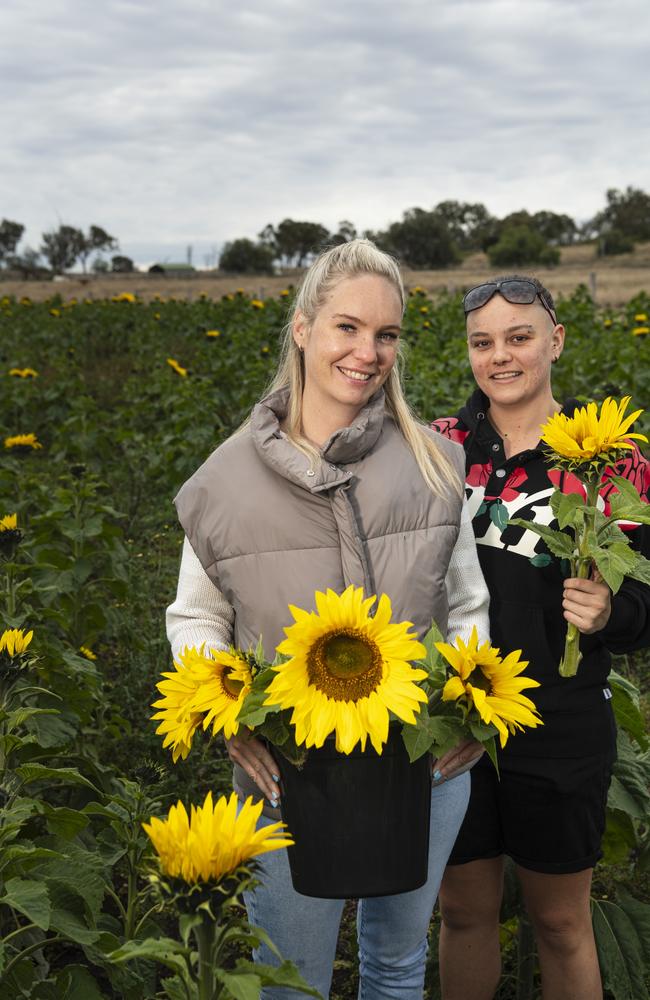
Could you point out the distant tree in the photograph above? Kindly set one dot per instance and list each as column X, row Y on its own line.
column 346, row 232
column 468, row 223
column 10, row 236
column 122, row 265
column 99, row 265
column 293, row 242
column 421, row 240
column 27, row 264
column 96, row 240
column 558, row 230
column 245, row 257
column 627, row 211
column 612, row 242
column 267, row 237
column 520, row 245
column 61, row 247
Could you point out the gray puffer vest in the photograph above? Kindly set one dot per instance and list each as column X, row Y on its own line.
column 270, row 530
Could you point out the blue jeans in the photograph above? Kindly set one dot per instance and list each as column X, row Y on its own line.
column 392, row 930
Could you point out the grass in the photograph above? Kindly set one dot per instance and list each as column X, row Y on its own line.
column 612, row 280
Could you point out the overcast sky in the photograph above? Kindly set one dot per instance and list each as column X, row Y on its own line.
column 190, row 122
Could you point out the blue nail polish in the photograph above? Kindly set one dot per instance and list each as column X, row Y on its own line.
column 276, row 777
column 274, row 801
column 437, row 775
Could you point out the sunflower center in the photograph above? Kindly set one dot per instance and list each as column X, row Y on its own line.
column 345, row 665
column 479, row 680
column 231, row 686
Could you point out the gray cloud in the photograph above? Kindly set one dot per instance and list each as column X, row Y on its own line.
column 201, row 121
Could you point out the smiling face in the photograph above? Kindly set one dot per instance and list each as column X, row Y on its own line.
column 349, row 350
column 511, row 349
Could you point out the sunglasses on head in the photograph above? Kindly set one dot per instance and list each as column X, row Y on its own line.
column 519, row 291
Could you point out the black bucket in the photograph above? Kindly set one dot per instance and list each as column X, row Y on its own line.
column 360, row 821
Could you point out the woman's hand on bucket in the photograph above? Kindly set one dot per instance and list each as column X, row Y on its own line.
column 460, row 758
column 252, row 755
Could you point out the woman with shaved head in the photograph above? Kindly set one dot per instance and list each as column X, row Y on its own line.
column 546, row 807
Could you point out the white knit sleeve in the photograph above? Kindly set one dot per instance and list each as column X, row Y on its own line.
column 467, row 593
column 200, row 613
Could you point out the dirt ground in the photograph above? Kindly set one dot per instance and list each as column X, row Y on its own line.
column 612, row 281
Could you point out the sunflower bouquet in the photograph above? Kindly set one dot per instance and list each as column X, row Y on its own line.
column 345, row 672
column 587, row 445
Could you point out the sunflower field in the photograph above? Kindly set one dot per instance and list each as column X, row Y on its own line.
column 106, row 407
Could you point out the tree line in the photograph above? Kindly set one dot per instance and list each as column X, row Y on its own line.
column 423, row 238
column 441, row 236
column 60, row 250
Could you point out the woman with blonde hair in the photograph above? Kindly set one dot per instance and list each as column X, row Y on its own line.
column 332, row 481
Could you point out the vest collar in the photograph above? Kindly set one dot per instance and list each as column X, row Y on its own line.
column 347, row 445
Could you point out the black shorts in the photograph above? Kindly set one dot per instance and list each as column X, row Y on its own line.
column 547, row 814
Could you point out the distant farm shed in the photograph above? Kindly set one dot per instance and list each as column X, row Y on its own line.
column 173, row 270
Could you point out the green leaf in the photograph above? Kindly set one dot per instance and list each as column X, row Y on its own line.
column 626, row 490
column 568, row 508
column 53, row 731
column 438, row 734
column 614, row 563
column 499, row 514
column 558, row 542
column 178, row 988
column 21, row 715
column 259, row 651
column 641, row 569
column 29, row 898
column 239, row 981
column 253, row 711
column 620, row 954
column 79, row 871
column 240, row 985
column 433, row 662
column 186, row 924
column 628, row 790
column 39, row 772
column 167, row 951
column 627, row 713
column 619, row 838
column 69, row 915
column 639, row 913
column 627, row 505
column 64, row 822
column 275, row 729
column 76, row 983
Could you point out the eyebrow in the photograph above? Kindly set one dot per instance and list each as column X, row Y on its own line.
column 355, row 319
column 510, row 329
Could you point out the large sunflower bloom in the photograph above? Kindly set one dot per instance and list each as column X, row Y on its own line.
column 178, row 722
column 214, row 840
column 222, row 684
column 588, row 435
column 347, row 671
column 490, row 684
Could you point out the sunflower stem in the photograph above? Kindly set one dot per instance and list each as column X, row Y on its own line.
column 204, row 933
column 581, row 569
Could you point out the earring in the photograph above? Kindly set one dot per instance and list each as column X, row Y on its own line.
column 555, row 360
